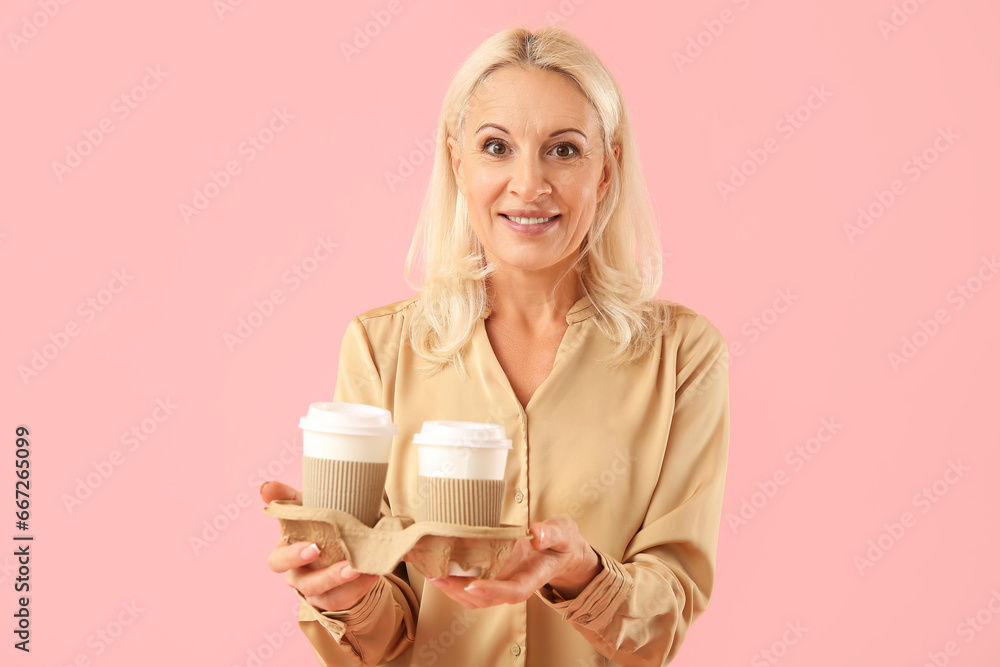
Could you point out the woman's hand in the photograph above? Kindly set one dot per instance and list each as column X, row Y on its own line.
column 556, row 554
column 333, row 588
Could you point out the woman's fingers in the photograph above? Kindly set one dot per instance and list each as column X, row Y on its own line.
column 332, row 588
column 555, row 534
column 344, row 596
column 318, row 582
column 518, row 587
column 339, row 586
column 272, row 490
column 454, row 587
column 552, row 548
column 516, row 582
column 285, row 557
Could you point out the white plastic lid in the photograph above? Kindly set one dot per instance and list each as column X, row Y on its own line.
column 348, row 418
column 462, row 434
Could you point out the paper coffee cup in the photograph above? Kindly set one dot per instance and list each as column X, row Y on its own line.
column 345, row 457
column 461, row 472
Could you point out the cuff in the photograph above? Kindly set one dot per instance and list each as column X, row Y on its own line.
column 596, row 604
column 338, row 623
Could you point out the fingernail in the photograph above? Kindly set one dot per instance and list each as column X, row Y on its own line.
column 310, row 552
column 348, row 572
column 261, row 489
column 472, row 589
column 541, row 538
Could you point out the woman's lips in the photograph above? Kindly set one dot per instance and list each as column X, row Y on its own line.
column 531, row 229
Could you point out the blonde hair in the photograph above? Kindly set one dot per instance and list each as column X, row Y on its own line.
column 619, row 264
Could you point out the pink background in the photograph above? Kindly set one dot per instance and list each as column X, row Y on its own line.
column 161, row 336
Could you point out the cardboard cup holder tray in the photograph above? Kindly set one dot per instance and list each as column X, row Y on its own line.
column 434, row 549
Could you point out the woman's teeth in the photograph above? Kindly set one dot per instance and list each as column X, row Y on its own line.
column 529, row 221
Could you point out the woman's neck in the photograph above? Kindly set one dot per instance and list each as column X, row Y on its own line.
column 526, row 298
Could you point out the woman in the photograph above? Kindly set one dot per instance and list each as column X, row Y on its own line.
column 538, row 311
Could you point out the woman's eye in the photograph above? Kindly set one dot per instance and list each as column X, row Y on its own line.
column 497, row 148
column 491, row 145
column 565, row 150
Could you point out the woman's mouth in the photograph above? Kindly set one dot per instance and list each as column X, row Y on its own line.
column 529, row 226
column 529, row 221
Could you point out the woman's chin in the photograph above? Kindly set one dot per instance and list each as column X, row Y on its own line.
column 532, row 262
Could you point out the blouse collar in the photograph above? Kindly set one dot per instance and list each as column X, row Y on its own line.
column 578, row 312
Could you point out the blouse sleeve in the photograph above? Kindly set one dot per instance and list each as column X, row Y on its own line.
column 638, row 611
column 381, row 625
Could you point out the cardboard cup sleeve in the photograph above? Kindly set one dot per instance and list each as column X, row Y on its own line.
column 468, row 502
column 354, row 487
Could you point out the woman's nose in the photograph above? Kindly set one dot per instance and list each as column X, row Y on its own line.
column 528, row 180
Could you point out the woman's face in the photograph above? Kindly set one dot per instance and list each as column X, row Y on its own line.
column 532, row 168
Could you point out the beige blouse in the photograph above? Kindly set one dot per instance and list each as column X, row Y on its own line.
column 637, row 457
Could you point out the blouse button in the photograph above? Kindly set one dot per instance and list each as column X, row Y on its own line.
column 516, row 650
column 518, row 497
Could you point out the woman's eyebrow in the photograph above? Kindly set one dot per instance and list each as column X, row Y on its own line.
column 554, row 134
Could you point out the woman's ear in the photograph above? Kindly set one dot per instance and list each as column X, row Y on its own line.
column 455, row 154
column 608, row 172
